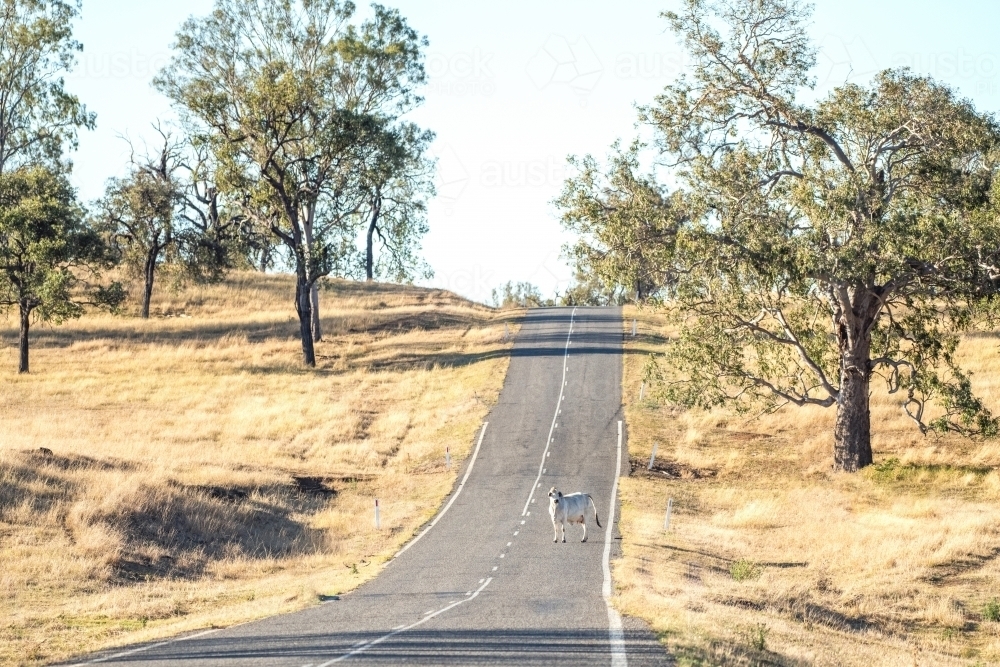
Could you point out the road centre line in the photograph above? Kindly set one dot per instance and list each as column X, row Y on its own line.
column 375, row 642
column 454, row 497
column 616, row 634
column 552, row 428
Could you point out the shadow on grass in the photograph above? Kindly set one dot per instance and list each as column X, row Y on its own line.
column 165, row 530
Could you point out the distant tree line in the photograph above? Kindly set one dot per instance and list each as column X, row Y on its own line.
column 291, row 153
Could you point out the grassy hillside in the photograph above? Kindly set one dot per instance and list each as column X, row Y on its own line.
column 774, row 559
column 184, row 472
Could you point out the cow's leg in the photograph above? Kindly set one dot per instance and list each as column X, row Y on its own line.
column 584, row 531
column 563, row 524
column 555, row 531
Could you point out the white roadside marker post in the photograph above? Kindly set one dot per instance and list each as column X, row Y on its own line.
column 447, row 458
column 670, row 507
column 634, row 328
column 378, row 519
column 652, row 457
column 642, row 391
column 506, row 333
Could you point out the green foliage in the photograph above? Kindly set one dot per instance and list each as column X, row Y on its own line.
column 625, row 224
column 396, row 180
column 137, row 216
column 292, row 99
column 48, row 256
column 38, row 117
column 756, row 636
column 991, row 611
column 811, row 247
column 588, row 289
column 745, row 570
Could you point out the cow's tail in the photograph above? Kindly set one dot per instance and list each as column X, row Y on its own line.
column 596, row 518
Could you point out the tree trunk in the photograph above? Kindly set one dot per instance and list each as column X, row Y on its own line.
column 852, row 438
column 303, row 306
column 370, row 246
column 149, row 271
column 22, row 366
column 313, row 295
column 317, row 329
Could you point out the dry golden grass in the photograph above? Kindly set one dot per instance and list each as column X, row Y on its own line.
column 774, row 559
column 200, row 476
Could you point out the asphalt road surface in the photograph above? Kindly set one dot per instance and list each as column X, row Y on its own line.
column 483, row 584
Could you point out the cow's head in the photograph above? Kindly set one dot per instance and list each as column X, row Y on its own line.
column 555, row 495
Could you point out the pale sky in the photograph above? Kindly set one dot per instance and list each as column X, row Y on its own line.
column 517, row 86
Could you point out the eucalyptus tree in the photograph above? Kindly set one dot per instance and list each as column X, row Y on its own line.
column 137, row 214
column 288, row 93
column 38, row 117
column 214, row 234
column 49, row 258
column 396, row 180
column 625, row 225
column 825, row 243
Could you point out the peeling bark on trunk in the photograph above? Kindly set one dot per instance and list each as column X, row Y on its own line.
column 317, row 329
column 22, row 366
column 852, row 440
column 852, row 432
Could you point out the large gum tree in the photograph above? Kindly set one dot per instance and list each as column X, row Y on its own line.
column 289, row 95
column 821, row 244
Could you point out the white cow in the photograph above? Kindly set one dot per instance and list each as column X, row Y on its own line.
column 570, row 509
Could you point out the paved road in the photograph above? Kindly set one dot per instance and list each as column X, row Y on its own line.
column 485, row 585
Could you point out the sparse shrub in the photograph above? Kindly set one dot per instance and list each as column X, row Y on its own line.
column 991, row 612
column 744, row 570
column 756, row 636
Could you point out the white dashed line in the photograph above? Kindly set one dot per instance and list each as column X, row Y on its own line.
column 572, row 319
column 494, row 568
column 510, row 543
column 404, row 628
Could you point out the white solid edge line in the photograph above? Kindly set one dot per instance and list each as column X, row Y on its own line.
column 616, row 634
column 375, row 642
column 461, row 485
column 145, row 648
column 548, row 441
